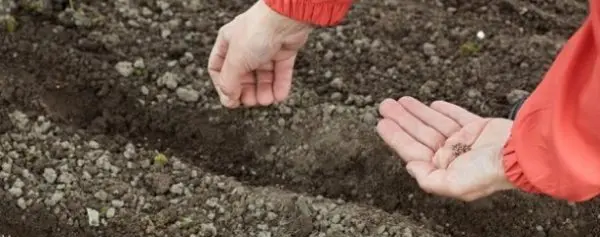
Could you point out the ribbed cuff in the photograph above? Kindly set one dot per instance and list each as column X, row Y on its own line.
column 317, row 12
column 513, row 170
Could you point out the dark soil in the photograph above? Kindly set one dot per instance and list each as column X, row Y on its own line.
column 42, row 223
column 68, row 72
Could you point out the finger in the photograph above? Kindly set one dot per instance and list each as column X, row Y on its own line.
column 282, row 78
column 216, row 64
column 429, row 116
column 249, row 95
column 217, row 56
column 427, row 135
column 264, row 90
column 457, row 113
column 458, row 143
column 230, row 81
column 248, row 92
column 403, row 144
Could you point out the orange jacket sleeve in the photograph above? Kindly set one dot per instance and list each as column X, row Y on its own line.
column 554, row 148
column 317, row 12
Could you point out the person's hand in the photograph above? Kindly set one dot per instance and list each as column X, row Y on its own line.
column 429, row 138
column 252, row 60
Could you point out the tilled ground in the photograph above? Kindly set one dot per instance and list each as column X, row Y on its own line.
column 89, row 98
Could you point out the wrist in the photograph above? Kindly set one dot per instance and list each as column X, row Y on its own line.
column 280, row 24
column 503, row 181
column 321, row 13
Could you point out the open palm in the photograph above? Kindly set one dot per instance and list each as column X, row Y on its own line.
column 430, row 138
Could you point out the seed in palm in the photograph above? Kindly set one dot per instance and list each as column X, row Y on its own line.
column 459, row 149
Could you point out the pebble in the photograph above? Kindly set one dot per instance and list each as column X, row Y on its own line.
column 473, row 93
column 480, row 35
column 94, row 145
column 55, row 198
column 145, row 90
column 369, row 118
column 271, row 216
column 539, row 228
column 110, row 212
column 129, row 152
column 66, row 178
column 16, row 191
column 93, row 217
column 101, row 195
column 336, row 219
column 177, row 188
column 429, row 87
column 208, row 229
column 6, row 167
column 337, row 83
column 264, row 234
column 18, row 184
column 429, row 49
column 329, row 55
column 117, row 203
column 407, row 233
column 22, row 203
column 187, row 58
column 165, row 33
column 124, row 68
column 187, row 95
column 19, row 119
column 336, row 96
column 169, row 79
column 381, row 229
column 139, row 63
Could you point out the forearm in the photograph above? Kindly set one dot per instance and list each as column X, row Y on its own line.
column 316, row 12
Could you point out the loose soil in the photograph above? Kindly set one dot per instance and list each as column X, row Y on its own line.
column 321, row 141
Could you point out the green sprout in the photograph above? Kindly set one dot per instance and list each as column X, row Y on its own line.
column 103, row 210
column 160, row 159
column 10, row 22
column 470, row 48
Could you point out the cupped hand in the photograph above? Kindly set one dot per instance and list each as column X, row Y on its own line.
column 430, row 139
column 253, row 58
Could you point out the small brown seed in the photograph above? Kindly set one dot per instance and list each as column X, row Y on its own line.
column 460, row 149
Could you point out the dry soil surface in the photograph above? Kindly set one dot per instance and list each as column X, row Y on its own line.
column 90, row 98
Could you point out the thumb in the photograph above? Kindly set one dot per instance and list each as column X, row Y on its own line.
column 229, row 84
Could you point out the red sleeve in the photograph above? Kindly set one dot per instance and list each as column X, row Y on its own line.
column 554, row 147
column 318, row 12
